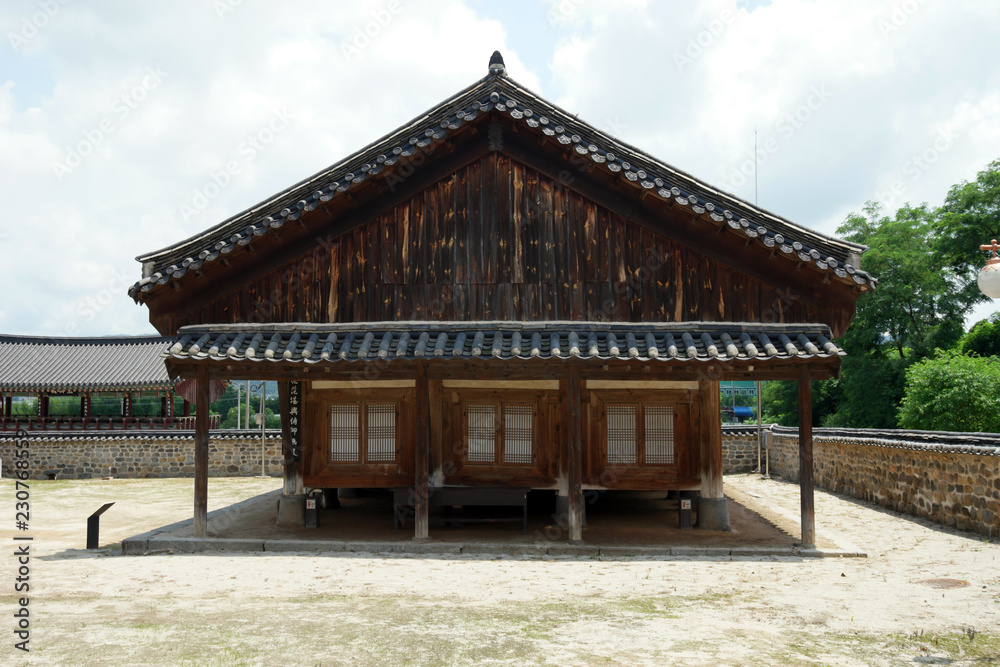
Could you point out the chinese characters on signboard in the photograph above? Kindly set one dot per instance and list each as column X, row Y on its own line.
column 294, row 411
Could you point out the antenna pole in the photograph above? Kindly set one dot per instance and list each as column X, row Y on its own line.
column 754, row 165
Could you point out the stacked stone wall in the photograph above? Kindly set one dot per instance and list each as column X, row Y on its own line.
column 952, row 485
column 87, row 457
column 739, row 452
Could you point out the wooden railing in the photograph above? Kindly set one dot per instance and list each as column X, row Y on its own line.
column 31, row 423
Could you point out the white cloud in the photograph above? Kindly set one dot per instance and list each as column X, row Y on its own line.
column 347, row 73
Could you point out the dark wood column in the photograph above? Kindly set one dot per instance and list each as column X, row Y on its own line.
column 8, row 406
column 806, row 460
column 421, row 447
column 43, row 405
column 435, row 391
column 574, row 455
column 187, row 408
column 711, row 440
column 201, row 456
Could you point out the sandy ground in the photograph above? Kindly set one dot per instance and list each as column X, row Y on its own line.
column 103, row 608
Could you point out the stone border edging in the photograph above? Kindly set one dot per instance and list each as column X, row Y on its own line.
column 154, row 542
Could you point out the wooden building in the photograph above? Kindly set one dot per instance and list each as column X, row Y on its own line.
column 116, row 368
column 499, row 294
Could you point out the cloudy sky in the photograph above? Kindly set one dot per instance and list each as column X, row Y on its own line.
column 126, row 126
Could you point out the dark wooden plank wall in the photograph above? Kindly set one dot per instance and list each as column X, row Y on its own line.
column 497, row 240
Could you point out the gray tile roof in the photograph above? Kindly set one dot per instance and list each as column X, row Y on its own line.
column 65, row 365
column 681, row 342
column 498, row 93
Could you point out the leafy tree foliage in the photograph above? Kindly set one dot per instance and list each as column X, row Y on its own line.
column 916, row 307
column 983, row 338
column 969, row 218
column 952, row 392
column 780, row 402
column 927, row 261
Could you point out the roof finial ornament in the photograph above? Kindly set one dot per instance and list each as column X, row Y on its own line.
column 497, row 68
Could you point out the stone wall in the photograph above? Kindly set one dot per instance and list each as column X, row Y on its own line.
column 138, row 454
column 940, row 476
column 949, row 483
column 739, row 449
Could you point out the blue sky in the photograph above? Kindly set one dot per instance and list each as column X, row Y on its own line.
column 117, row 117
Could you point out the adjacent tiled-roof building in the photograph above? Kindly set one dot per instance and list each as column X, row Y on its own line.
column 31, row 364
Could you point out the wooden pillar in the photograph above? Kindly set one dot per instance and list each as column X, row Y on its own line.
column 421, row 446
column 292, row 483
column 713, row 508
column 711, row 440
column 435, row 392
column 574, row 455
column 8, row 406
column 43, row 405
column 806, row 460
column 187, row 408
column 201, row 455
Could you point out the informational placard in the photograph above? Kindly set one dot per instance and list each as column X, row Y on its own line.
column 294, row 412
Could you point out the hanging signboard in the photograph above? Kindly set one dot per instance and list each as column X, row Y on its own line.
column 294, row 412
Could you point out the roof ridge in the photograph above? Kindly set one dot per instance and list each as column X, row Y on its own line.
column 83, row 340
column 499, row 93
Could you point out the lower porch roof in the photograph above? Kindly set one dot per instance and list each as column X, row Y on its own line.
column 733, row 346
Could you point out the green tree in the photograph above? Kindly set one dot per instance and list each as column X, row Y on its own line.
column 970, row 217
column 983, row 338
column 952, row 392
column 780, row 402
column 915, row 308
column 919, row 306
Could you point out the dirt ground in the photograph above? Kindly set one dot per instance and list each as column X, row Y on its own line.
column 103, row 608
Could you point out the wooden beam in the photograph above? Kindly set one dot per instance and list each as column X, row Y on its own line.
column 806, row 461
column 421, row 446
column 574, row 453
column 201, row 456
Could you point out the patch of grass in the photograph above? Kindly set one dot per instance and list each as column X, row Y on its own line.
column 968, row 645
